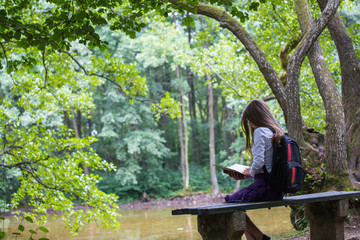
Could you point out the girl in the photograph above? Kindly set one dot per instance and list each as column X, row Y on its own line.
column 261, row 130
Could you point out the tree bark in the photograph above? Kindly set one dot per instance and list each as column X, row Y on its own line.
column 193, row 117
column 224, row 115
column 294, row 121
column 214, row 182
column 183, row 133
column 182, row 158
column 335, row 149
column 350, row 86
column 182, row 155
column 77, row 135
column 186, row 159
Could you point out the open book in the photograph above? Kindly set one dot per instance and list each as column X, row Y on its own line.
column 238, row 168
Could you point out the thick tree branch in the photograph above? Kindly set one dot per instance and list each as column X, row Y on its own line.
column 287, row 48
column 229, row 22
column 295, row 123
column 335, row 150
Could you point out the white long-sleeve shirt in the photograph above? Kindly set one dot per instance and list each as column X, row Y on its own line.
column 262, row 150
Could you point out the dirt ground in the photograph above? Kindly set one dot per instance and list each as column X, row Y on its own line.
column 352, row 227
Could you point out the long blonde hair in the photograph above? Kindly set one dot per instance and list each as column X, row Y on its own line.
column 258, row 113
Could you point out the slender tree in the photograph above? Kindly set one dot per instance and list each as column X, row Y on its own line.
column 215, row 185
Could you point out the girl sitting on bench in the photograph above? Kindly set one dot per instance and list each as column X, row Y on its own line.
column 261, row 130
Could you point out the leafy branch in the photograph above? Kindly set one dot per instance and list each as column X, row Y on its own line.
column 93, row 74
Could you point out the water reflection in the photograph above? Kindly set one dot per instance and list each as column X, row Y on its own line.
column 153, row 224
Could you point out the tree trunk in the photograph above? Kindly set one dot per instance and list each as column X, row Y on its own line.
column 75, row 126
column 335, row 149
column 78, row 122
column 193, row 117
column 294, row 121
column 350, row 86
column 224, row 115
column 66, row 119
column 182, row 154
column 186, row 160
column 77, row 135
column 184, row 146
column 214, row 182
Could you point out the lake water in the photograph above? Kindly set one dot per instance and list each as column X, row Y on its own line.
column 157, row 224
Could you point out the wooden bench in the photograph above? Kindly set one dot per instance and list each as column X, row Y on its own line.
column 326, row 213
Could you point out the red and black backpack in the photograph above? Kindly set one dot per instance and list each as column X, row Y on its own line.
column 287, row 174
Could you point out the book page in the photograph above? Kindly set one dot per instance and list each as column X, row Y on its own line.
column 236, row 168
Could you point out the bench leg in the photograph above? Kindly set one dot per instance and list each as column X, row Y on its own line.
column 327, row 219
column 226, row 226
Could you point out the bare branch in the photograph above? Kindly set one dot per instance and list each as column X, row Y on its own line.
column 46, row 70
column 269, row 98
column 276, row 13
column 226, row 82
column 93, row 74
column 9, row 149
column 101, row 76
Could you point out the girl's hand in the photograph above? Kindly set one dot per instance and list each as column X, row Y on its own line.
column 247, row 172
column 234, row 175
column 237, row 176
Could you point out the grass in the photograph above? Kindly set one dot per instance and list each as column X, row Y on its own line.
column 291, row 234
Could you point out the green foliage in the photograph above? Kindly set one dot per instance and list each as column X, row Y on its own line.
column 48, row 157
column 315, row 181
column 50, row 163
column 128, row 138
column 161, row 183
column 167, row 105
column 21, row 229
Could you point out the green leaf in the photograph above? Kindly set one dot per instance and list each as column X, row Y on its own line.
column 17, row 234
column 254, row 6
column 189, row 21
column 17, row 35
column 32, row 231
column 44, row 229
column 2, row 235
column 132, row 35
column 29, row 219
column 43, row 239
column 21, row 228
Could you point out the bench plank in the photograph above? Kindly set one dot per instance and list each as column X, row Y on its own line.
column 300, row 199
